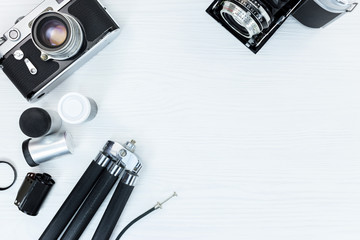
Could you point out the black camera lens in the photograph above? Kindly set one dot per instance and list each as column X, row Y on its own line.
column 52, row 32
column 57, row 35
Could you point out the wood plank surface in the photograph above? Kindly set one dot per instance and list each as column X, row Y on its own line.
column 257, row 146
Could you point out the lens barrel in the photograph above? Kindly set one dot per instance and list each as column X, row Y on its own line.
column 57, row 35
column 246, row 17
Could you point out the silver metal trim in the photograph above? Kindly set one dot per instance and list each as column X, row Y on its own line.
column 102, row 160
column 243, row 18
column 159, row 204
column 109, row 153
column 125, row 158
column 131, row 162
column 18, row 54
column 263, row 12
column 129, row 178
column 352, row 7
column 130, row 146
column 18, row 34
column 336, row 6
column 112, row 149
column 115, row 168
column 2, row 40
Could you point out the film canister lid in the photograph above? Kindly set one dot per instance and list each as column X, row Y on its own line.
column 37, row 122
column 75, row 108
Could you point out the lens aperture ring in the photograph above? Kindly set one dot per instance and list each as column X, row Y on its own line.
column 75, row 40
column 245, row 20
column 258, row 11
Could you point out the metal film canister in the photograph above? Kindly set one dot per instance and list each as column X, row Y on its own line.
column 75, row 108
column 43, row 149
column 37, row 122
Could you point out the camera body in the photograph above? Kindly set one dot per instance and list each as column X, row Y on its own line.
column 320, row 13
column 46, row 46
column 253, row 22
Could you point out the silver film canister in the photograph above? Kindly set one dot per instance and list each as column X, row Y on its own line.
column 38, row 122
column 39, row 150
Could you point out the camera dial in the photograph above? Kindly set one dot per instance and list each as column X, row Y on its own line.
column 14, row 34
column 57, row 35
column 246, row 17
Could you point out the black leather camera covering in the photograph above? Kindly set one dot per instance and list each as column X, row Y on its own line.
column 19, row 74
column 92, row 16
column 95, row 22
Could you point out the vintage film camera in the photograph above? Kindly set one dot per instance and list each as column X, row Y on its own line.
column 253, row 22
column 44, row 47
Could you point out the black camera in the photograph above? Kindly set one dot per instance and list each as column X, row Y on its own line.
column 253, row 22
column 44, row 47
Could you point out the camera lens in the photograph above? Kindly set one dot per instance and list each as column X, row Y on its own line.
column 53, row 33
column 57, row 35
column 236, row 24
column 246, row 17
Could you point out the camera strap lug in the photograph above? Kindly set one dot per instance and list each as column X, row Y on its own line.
column 352, row 7
column 2, row 40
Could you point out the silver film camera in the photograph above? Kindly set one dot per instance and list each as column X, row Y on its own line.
column 44, row 47
column 253, row 22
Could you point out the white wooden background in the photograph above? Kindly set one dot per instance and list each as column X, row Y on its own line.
column 257, row 146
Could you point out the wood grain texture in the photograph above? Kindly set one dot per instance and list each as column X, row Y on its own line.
column 258, row 146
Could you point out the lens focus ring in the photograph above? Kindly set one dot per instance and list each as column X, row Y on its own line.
column 246, row 17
